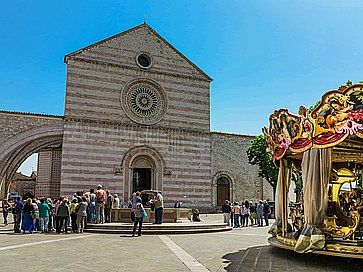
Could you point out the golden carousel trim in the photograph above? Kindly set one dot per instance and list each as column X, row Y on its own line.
column 326, row 145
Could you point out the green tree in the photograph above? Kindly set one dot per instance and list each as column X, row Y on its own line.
column 258, row 155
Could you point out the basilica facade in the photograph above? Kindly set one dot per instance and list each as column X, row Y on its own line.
column 137, row 117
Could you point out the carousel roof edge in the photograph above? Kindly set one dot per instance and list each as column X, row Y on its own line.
column 338, row 116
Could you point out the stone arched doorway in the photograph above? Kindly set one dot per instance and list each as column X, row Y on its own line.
column 222, row 188
column 144, row 165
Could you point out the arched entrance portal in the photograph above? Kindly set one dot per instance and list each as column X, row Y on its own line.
column 143, row 170
column 223, row 190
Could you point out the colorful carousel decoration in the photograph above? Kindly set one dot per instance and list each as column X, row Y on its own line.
column 325, row 144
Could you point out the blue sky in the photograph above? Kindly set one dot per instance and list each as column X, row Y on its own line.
column 262, row 55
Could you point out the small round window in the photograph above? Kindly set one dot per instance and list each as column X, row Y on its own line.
column 144, row 60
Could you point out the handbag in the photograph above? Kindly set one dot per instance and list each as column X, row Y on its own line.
column 144, row 214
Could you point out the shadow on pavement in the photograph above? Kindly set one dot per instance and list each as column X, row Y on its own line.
column 267, row 258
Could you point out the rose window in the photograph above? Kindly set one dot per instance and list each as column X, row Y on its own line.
column 144, row 102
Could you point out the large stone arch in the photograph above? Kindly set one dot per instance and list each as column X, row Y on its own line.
column 127, row 165
column 15, row 150
column 215, row 178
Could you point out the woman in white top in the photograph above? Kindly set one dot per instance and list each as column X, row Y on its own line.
column 116, row 202
column 245, row 211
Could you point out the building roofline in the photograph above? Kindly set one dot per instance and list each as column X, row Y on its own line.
column 74, row 53
column 232, row 134
column 32, row 114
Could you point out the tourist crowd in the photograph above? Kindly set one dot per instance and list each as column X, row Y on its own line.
column 246, row 213
column 47, row 215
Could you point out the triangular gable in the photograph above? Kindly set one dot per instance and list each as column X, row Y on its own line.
column 120, row 45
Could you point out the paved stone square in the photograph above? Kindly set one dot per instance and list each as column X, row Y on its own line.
column 244, row 249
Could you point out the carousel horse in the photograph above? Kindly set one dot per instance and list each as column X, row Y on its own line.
column 338, row 224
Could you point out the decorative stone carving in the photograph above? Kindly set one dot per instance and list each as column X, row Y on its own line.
column 144, row 102
column 167, row 172
column 117, row 170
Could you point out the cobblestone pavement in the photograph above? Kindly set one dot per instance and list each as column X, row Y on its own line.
column 244, row 249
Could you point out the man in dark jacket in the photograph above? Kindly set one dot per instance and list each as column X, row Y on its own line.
column 226, row 209
column 266, row 211
column 17, row 210
column 63, row 213
column 108, row 207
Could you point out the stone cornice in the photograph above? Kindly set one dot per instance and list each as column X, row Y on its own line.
column 32, row 114
column 126, row 125
column 114, row 65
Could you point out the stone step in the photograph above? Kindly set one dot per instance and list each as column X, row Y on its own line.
column 147, row 226
column 158, row 231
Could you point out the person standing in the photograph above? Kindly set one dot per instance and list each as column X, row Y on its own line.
column 245, row 213
column 260, row 213
column 134, row 198
column 100, row 204
column 139, row 210
column 17, row 210
column 266, row 211
column 6, row 207
column 226, row 210
column 236, row 209
column 28, row 223
column 44, row 211
column 92, row 205
column 51, row 215
column 116, row 202
column 159, row 207
column 63, row 214
column 82, row 214
column 108, row 206
column 35, row 215
column 57, row 217
column 253, row 213
column 73, row 211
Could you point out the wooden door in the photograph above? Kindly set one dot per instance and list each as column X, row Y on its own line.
column 222, row 191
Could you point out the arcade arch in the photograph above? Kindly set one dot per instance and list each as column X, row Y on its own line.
column 15, row 150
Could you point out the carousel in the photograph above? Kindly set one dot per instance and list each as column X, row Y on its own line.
column 325, row 145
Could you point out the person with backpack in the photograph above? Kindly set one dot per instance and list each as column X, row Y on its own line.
column 17, row 210
column 140, row 213
column 63, row 214
column 35, row 215
column 81, row 214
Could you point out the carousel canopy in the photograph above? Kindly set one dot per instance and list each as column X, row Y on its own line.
column 337, row 121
